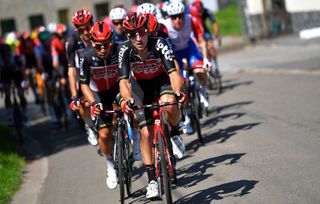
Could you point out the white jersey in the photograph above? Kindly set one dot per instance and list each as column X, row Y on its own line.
column 179, row 38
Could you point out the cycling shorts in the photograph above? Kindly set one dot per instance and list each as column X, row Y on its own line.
column 194, row 57
column 107, row 98
column 207, row 36
column 149, row 91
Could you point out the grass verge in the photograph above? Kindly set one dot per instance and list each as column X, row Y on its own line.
column 11, row 165
column 228, row 19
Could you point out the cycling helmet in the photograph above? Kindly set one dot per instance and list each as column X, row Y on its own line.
column 82, row 17
column 117, row 13
column 135, row 21
column 101, row 31
column 153, row 23
column 60, row 29
column 198, row 5
column 175, row 8
column 51, row 27
column 147, row 8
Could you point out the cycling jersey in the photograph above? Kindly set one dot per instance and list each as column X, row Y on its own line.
column 180, row 38
column 118, row 38
column 26, row 49
column 100, row 74
column 58, row 51
column 160, row 60
column 74, row 46
column 202, row 19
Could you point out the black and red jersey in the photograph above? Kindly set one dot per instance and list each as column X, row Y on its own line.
column 100, row 74
column 159, row 60
column 74, row 46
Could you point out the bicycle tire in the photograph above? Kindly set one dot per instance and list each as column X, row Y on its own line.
column 120, row 163
column 128, row 169
column 166, row 131
column 164, row 171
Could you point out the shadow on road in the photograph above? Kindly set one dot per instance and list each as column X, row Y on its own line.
column 44, row 139
column 220, row 135
column 234, row 189
column 192, row 174
column 230, row 84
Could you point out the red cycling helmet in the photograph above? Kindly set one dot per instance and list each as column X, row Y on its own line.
column 198, row 5
column 82, row 17
column 153, row 23
column 135, row 21
column 101, row 31
column 60, row 29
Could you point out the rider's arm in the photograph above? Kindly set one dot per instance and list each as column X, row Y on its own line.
column 85, row 80
column 54, row 55
column 72, row 70
column 168, row 61
column 198, row 32
column 124, row 71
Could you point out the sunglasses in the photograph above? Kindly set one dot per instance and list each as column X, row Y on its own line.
column 180, row 16
column 133, row 34
column 103, row 45
column 116, row 23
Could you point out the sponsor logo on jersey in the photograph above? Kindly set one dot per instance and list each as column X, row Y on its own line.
column 104, row 72
column 164, row 49
column 121, row 52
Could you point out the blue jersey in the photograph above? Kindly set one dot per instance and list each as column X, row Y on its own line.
column 118, row 38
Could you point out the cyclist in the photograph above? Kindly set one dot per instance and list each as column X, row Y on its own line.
column 153, row 75
column 116, row 16
column 180, row 27
column 25, row 49
column 99, row 84
column 199, row 11
column 76, row 43
column 10, row 70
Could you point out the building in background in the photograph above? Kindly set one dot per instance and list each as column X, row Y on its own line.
column 20, row 15
column 269, row 18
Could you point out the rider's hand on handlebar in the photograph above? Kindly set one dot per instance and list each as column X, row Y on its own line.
column 126, row 106
column 181, row 97
column 75, row 103
column 95, row 109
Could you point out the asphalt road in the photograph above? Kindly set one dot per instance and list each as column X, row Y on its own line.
column 262, row 141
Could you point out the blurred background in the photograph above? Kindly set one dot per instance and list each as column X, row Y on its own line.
column 253, row 19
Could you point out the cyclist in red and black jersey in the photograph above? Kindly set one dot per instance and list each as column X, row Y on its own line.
column 75, row 45
column 148, row 73
column 99, row 84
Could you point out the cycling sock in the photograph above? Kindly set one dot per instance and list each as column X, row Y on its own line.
column 151, row 171
column 175, row 130
column 109, row 161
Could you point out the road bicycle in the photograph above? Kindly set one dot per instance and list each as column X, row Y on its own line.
column 122, row 152
column 163, row 154
column 194, row 107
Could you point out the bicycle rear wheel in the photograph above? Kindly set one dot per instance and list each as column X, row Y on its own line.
column 164, row 171
column 120, row 163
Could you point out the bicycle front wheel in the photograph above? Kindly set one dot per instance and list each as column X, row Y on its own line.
column 196, row 114
column 128, row 166
column 120, row 163
column 164, row 171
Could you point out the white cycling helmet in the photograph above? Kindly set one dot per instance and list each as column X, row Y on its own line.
column 175, row 8
column 51, row 27
column 117, row 14
column 146, row 8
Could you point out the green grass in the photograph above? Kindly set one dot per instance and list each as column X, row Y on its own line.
column 11, row 165
column 228, row 19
